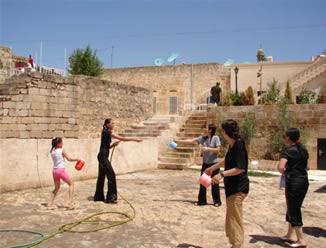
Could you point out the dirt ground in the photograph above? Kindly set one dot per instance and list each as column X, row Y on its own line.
column 165, row 214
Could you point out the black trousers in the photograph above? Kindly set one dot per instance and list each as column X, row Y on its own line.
column 215, row 188
column 295, row 193
column 105, row 170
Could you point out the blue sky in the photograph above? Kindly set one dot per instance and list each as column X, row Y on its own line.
column 200, row 31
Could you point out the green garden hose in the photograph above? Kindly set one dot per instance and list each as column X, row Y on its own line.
column 70, row 226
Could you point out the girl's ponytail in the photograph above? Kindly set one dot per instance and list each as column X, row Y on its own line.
column 55, row 142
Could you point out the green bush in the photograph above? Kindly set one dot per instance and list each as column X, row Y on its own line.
column 273, row 93
column 227, row 99
column 235, row 99
column 308, row 97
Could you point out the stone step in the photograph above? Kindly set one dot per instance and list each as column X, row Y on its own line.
column 192, row 129
column 173, row 160
column 197, row 118
column 136, row 135
column 176, row 154
column 185, row 149
column 195, row 122
column 172, row 166
column 193, row 126
column 187, row 135
column 181, row 145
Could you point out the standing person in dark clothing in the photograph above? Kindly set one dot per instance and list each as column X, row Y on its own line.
column 293, row 165
column 210, row 146
column 236, row 181
column 216, row 93
column 105, row 167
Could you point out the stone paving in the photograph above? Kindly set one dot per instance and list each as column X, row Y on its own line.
column 166, row 215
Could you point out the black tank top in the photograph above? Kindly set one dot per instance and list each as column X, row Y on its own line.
column 105, row 142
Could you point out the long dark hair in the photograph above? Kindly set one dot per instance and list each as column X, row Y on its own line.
column 294, row 136
column 210, row 127
column 55, row 142
column 231, row 128
column 107, row 121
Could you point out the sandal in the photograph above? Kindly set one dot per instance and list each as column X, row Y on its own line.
column 285, row 239
column 200, row 204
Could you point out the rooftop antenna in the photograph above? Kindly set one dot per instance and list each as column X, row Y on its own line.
column 173, row 58
column 228, row 62
column 158, row 61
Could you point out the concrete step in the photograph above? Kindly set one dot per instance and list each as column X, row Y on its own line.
column 196, row 122
column 185, row 149
column 173, row 160
column 199, row 126
column 176, row 154
column 172, row 166
column 197, row 118
column 191, row 135
column 136, row 135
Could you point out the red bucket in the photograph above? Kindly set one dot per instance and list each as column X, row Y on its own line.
column 79, row 165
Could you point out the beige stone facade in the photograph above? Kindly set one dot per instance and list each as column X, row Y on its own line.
column 190, row 83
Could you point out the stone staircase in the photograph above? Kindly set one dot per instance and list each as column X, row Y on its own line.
column 184, row 155
column 147, row 129
column 300, row 80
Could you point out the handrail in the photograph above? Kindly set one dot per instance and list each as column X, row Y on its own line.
column 319, row 60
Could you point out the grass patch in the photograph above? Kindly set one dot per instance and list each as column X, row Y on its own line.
column 260, row 174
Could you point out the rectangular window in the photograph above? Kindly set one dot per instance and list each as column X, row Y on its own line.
column 173, row 105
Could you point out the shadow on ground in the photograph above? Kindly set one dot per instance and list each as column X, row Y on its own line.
column 315, row 231
column 272, row 240
column 321, row 189
column 184, row 245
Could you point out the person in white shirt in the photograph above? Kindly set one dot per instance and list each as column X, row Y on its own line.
column 58, row 155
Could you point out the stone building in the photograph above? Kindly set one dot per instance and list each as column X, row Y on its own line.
column 187, row 86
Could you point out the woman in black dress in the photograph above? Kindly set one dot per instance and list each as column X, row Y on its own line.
column 105, row 167
column 293, row 166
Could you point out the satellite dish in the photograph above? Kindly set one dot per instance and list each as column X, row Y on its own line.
column 228, row 62
column 173, row 57
column 158, row 61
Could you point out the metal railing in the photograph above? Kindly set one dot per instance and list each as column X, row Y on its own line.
column 42, row 69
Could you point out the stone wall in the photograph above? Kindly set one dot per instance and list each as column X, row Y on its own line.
column 310, row 117
column 32, row 168
column 42, row 106
column 191, row 83
column 6, row 62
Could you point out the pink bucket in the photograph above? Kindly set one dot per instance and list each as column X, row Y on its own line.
column 205, row 180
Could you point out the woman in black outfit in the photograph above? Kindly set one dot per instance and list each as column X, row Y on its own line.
column 105, row 167
column 293, row 165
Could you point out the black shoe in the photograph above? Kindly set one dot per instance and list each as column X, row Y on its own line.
column 200, row 204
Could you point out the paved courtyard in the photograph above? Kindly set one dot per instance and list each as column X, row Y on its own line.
column 165, row 214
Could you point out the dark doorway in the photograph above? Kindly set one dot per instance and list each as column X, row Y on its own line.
column 321, row 154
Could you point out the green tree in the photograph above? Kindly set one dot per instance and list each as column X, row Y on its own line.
column 288, row 93
column 284, row 122
column 85, row 62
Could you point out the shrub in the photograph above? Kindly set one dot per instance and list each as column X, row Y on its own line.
column 307, row 97
column 235, row 99
column 244, row 98
column 248, row 128
column 227, row 99
column 288, row 93
column 250, row 96
column 273, row 93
